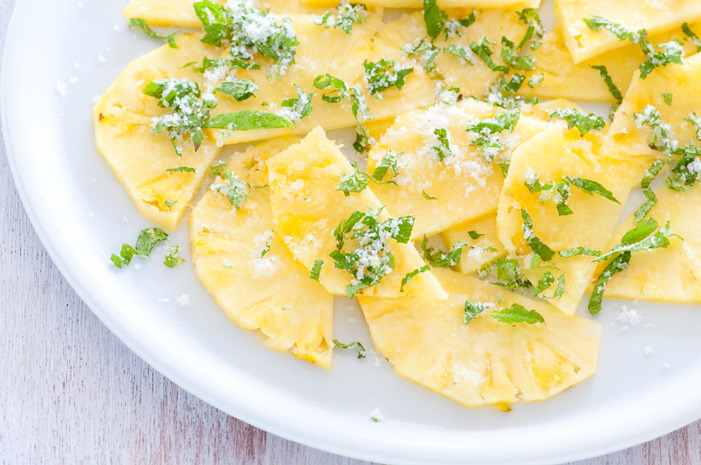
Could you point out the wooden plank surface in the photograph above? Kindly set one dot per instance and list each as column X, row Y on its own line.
column 71, row 392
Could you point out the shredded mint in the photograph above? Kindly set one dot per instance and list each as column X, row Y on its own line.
column 613, row 88
column 584, row 122
column 371, row 257
column 361, row 349
column 442, row 149
column 384, row 74
column 517, row 314
column 440, row 259
column 147, row 240
column 345, row 16
column 410, row 275
column 238, row 89
column 172, row 259
column 390, row 161
column 483, row 50
column 425, row 51
column 474, row 235
column 460, row 52
column 505, row 272
column 559, row 192
column 247, row 120
column 651, row 173
column 299, row 107
column 235, row 190
column 645, row 236
column 535, row 31
column 437, row 21
column 645, row 208
column 542, row 250
column 475, row 309
column 512, row 59
column 667, row 98
column 428, row 196
column 217, row 169
column 692, row 36
column 486, row 134
column 316, row 270
column 181, row 169
column 577, row 251
column 355, row 181
column 140, row 23
column 671, row 52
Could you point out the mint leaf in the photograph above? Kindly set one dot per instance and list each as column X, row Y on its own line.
column 300, row 107
column 652, row 173
column 474, row 235
column 440, row 259
column 147, row 240
column 542, row 250
column 385, row 74
column 517, row 314
column 172, row 259
column 434, row 18
column 585, row 122
column 247, row 120
column 361, row 349
column 183, row 169
column 615, row 91
column 389, row 161
column 591, row 187
column 238, row 89
column 577, row 251
column 427, row 196
column 645, row 208
column 618, row 264
column 337, row 95
column 410, row 275
column 692, row 36
column 474, row 309
column 346, row 16
column 460, row 52
column 235, row 190
column 442, row 149
column 316, row 269
column 355, row 181
column 645, row 236
column 140, row 23
column 484, row 52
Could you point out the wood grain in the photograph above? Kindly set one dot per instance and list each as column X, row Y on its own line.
column 71, row 392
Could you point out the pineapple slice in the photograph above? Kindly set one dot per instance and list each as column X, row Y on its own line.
column 271, row 293
column 472, row 79
column 671, row 274
column 550, row 157
column 481, row 234
column 322, row 51
column 653, row 16
column 122, row 120
column 180, row 13
column 484, row 362
column 307, row 208
column 562, row 78
column 684, row 83
column 464, row 184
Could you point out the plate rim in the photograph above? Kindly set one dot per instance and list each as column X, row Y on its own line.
column 309, row 433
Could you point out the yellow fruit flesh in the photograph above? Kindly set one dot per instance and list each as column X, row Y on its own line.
column 484, row 362
column 272, row 294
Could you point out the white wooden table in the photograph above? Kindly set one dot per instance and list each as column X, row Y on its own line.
column 71, row 392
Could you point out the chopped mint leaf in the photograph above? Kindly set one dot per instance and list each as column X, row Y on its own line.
column 439, row 259
column 246, row 31
column 354, row 181
column 323, row 81
column 140, row 23
column 671, row 52
column 545, row 281
column 505, row 272
column 238, row 89
column 217, row 168
column 486, row 133
column 188, row 114
column 434, row 18
column 645, row 236
column 184, row 169
column 618, row 264
column 425, row 52
column 147, row 240
column 692, row 36
column 460, row 52
column 410, row 275
column 124, row 257
column 591, row 187
column 536, row 80
column 474, row 235
column 427, row 196
column 235, row 190
column 361, row 349
column 542, row 250
column 645, row 208
column 316, row 269
column 170, row 203
column 694, row 120
column 577, row 251
column 484, row 52
column 529, row 17
column 474, row 309
column 389, row 161
column 511, row 57
column 299, row 107
column 372, row 257
column 385, row 74
column 360, row 113
column 345, row 16
column 613, row 88
column 662, row 136
column 517, row 314
column 687, row 170
column 172, row 258
column 652, row 173
column 667, row 97
column 442, row 149
column 248, row 120
column 585, row 122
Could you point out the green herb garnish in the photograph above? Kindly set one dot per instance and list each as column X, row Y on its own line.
column 361, row 349
column 585, row 122
column 147, row 240
column 172, row 258
column 316, row 269
column 235, row 190
column 345, row 16
column 383, row 74
column 517, row 314
column 140, row 23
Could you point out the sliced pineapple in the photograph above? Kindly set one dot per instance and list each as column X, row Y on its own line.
column 484, row 362
column 550, row 157
column 472, row 79
column 329, row 50
column 653, row 16
column 481, row 235
column 684, row 84
column 671, row 274
column 180, row 13
column 122, row 120
column 269, row 292
column 464, row 184
column 307, row 208
column 561, row 78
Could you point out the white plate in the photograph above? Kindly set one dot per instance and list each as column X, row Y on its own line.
column 59, row 55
